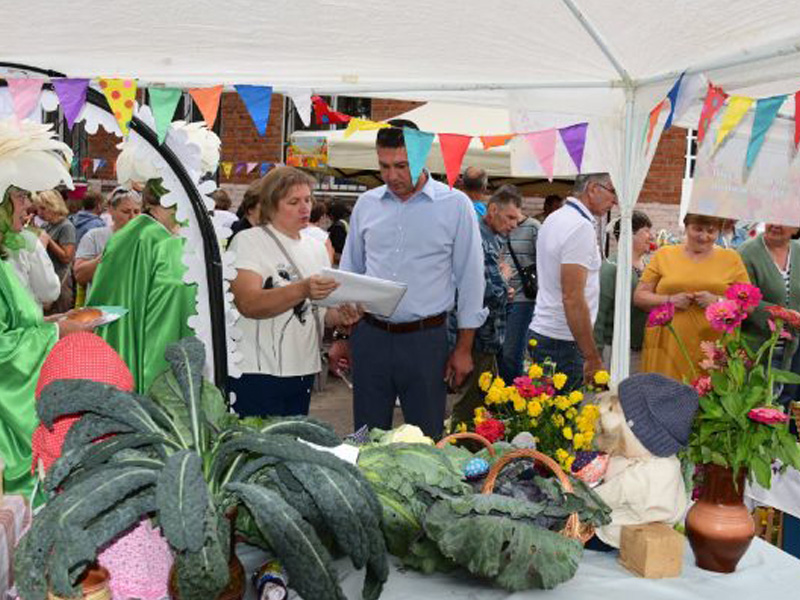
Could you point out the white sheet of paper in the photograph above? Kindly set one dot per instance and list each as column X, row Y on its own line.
column 378, row 296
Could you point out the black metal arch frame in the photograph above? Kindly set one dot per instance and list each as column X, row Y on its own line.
column 211, row 249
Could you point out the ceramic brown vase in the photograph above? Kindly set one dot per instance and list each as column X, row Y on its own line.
column 719, row 525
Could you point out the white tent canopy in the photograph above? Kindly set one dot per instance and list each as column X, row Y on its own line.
column 551, row 61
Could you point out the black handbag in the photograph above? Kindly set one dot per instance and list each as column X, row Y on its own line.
column 527, row 275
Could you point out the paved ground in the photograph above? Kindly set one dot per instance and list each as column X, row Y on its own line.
column 335, row 406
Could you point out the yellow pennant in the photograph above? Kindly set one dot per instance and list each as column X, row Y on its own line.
column 227, row 168
column 356, row 124
column 736, row 110
column 121, row 96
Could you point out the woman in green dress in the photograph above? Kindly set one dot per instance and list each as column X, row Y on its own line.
column 142, row 270
column 29, row 159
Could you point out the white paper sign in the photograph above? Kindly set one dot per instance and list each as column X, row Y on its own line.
column 378, row 296
column 769, row 193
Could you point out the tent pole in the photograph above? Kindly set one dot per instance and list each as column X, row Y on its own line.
column 598, row 39
column 620, row 349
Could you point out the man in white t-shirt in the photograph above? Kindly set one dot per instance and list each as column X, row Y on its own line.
column 568, row 270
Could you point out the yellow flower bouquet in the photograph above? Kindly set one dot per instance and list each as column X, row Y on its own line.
column 562, row 424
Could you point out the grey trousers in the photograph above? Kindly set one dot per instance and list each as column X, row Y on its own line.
column 409, row 366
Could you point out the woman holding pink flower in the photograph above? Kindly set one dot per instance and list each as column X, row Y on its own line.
column 690, row 277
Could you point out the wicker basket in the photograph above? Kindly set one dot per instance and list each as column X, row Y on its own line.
column 574, row 528
column 467, row 435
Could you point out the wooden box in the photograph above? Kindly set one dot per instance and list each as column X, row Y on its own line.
column 653, row 551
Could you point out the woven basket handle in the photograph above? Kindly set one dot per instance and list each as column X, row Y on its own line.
column 467, row 435
column 573, row 528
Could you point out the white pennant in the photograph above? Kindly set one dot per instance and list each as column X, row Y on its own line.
column 302, row 102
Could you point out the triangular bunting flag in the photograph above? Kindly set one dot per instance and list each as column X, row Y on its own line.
column 86, row 164
column 251, row 166
column 24, row 94
column 240, row 168
column 453, row 147
column 492, row 141
column 796, row 119
column 257, row 99
column 737, row 109
column 715, row 98
column 302, row 104
column 265, row 168
column 418, row 146
column 324, row 115
column 543, row 144
column 207, row 100
column 163, row 101
column 574, row 138
column 692, row 88
column 653, row 121
column 227, row 167
column 97, row 164
column 121, row 95
column 673, row 101
column 72, row 97
column 766, row 111
column 356, row 124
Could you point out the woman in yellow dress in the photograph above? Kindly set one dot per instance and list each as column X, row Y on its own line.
column 690, row 276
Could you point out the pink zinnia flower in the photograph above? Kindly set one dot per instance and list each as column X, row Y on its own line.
column 702, row 385
column 746, row 295
column 725, row 316
column 661, row 315
column 790, row 317
column 767, row 415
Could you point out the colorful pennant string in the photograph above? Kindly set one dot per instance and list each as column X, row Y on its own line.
column 418, row 146
column 121, row 96
column 574, row 138
column 715, row 98
column 734, row 113
column 766, row 111
column 543, row 144
column 25, row 94
column 163, row 102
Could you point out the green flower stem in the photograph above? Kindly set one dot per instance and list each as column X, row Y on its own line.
column 683, row 349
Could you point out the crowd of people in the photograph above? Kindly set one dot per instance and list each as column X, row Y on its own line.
column 487, row 286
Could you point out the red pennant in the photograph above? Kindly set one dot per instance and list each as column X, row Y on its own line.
column 796, row 119
column 86, row 164
column 325, row 115
column 654, row 114
column 715, row 98
column 453, row 147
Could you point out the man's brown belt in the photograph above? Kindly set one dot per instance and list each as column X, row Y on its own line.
column 429, row 323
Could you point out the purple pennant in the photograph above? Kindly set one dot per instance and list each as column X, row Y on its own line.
column 574, row 138
column 72, row 96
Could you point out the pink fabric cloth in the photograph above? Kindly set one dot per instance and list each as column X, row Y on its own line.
column 139, row 563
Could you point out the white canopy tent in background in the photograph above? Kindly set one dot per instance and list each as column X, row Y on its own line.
column 552, row 62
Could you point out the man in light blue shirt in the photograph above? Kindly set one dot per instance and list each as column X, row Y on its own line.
column 425, row 235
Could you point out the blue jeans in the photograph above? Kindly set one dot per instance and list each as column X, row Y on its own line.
column 260, row 395
column 564, row 354
column 518, row 317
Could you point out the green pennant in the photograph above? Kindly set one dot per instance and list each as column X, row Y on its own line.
column 163, row 101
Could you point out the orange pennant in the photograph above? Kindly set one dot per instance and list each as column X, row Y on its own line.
column 121, row 95
column 453, row 147
column 654, row 114
column 207, row 100
column 491, row 141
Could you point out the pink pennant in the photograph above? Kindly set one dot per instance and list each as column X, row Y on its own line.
column 24, row 94
column 453, row 147
column 543, row 144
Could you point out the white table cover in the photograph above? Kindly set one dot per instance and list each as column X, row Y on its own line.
column 765, row 572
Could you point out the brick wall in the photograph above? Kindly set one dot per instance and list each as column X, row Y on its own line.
column 664, row 180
